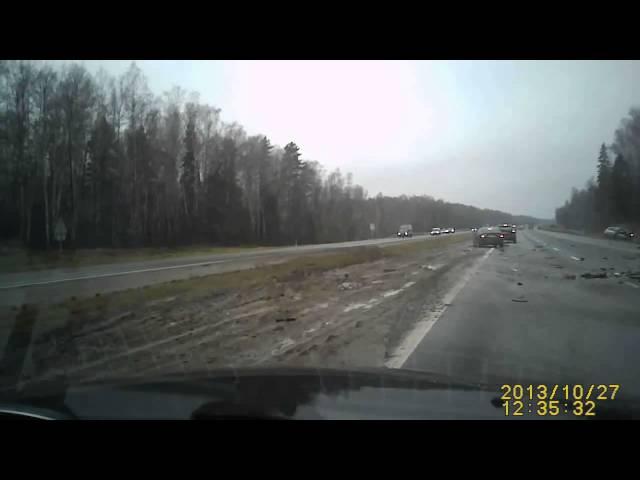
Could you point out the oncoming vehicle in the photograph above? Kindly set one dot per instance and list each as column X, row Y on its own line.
column 405, row 231
column 509, row 232
column 452, row 230
column 488, row 236
column 619, row 233
column 435, row 231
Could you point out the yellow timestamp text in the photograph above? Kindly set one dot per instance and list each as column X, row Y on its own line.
column 553, row 400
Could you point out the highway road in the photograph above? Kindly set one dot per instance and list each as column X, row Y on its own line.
column 526, row 313
column 520, row 314
column 49, row 286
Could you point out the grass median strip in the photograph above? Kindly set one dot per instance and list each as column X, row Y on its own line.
column 102, row 306
column 20, row 260
column 291, row 270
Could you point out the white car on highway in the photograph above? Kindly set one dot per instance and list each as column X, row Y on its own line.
column 619, row 233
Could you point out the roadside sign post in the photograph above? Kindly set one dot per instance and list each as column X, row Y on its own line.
column 372, row 229
column 60, row 233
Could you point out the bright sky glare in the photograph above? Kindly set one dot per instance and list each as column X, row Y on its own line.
column 510, row 135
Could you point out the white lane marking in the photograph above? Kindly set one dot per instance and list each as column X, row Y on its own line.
column 632, row 284
column 328, row 247
column 556, row 249
column 577, row 259
column 113, row 274
column 391, row 293
column 375, row 301
column 413, row 339
column 355, row 306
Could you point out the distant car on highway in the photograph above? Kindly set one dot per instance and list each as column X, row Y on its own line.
column 619, row 233
column 474, row 229
column 488, row 236
column 445, row 230
column 452, row 230
column 435, row 231
column 405, row 231
column 509, row 232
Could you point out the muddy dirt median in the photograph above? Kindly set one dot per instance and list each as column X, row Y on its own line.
column 343, row 309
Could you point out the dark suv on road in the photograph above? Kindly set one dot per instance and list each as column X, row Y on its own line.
column 509, row 232
column 488, row 236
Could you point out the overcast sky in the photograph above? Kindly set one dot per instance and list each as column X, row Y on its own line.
column 509, row 135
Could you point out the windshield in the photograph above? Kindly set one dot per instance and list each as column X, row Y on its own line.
column 192, row 217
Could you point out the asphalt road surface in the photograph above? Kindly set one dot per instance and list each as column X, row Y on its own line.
column 522, row 316
column 47, row 286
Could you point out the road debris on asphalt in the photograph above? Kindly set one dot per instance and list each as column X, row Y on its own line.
column 569, row 276
column 594, row 275
column 286, row 319
column 520, row 299
column 348, row 286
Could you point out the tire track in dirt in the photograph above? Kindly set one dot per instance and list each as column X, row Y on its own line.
column 241, row 328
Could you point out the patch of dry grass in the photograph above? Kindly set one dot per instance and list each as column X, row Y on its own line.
column 194, row 289
column 430, row 244
column 21, row 260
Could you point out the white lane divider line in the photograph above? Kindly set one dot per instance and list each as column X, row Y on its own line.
column 577, row 259
column 413, row 339
column 632, row 285
column 375, row 301
column 106, row 275
column 392, row 293
column 556, row 249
